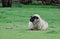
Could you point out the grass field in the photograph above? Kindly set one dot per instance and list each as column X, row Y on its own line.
column 14, row 22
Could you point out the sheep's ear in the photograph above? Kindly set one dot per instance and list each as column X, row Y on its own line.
column 36, row 17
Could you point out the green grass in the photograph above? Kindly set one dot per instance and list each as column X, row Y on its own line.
column 14, row 22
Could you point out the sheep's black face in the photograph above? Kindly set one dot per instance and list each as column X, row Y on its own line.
column 33, row 18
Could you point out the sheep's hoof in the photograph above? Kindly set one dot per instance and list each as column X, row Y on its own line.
column 31, row 29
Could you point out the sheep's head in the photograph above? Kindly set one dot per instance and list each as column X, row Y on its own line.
column 33, row 18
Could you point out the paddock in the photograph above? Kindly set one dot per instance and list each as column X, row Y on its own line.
column 14, row 22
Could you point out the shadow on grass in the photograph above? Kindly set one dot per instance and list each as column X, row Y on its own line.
column 52, row 32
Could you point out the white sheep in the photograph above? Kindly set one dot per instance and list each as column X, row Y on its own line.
column 36, row 22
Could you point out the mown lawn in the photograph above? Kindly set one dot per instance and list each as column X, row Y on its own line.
column 14, row 22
